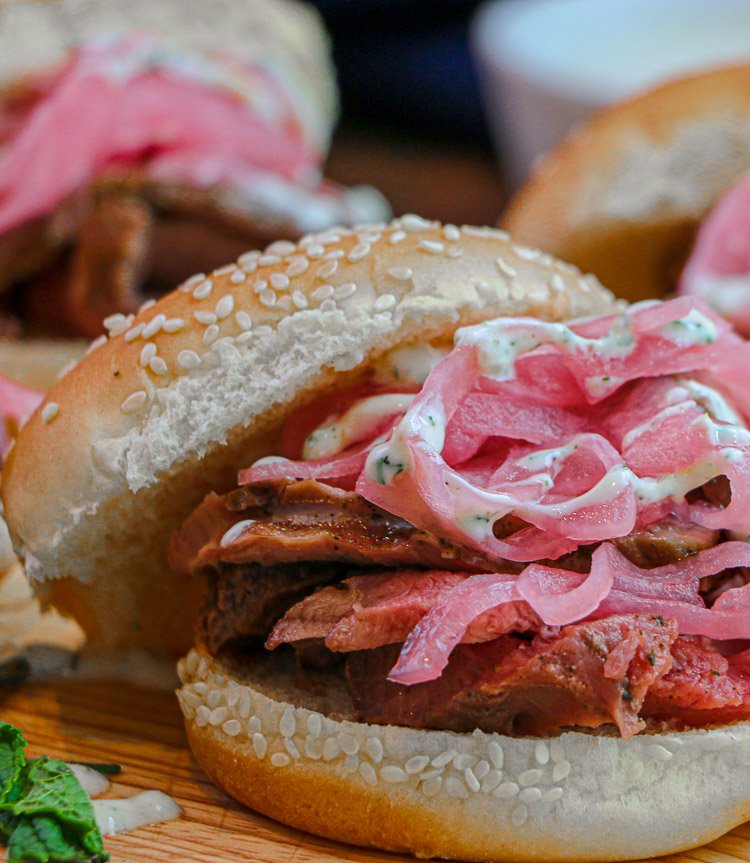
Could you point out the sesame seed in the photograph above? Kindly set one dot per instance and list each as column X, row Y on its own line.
column 97, row 343
column 260, row 744
column 541, row 752
column 153, row 326
column 244, row 706
column 552, row 794
column 444, row 758
column 201, row 716
column 260, row 286
column 330, row 749
column 451, row 233
column 267, row 297
column 324, row 292
column 297, row 266
column 218, row 715
column 455, row 787
column 315, row 250
column 374, row 748
column 369, row 237
column 358, row 252
column 432, row 246
column 132, row 334
column 351, row 763
column 367, row 772
column 481, row 769
column 410, row 223
column 280, row 759
column 238, row 276
column 50, row 411
column 313, row 748
column 204, row 317
column 225, row 270
column 243, row 338
column 214, row 698
column 328, row 305
column 188, row 360
column 561, row 770
column 505, row 268
column 285, row 302
column 211, row 334
column 401, row 274
column 530, row 795
column 159, row 366
column 348, row 743
column 558, row 283
column 529, row 777
column 173, row 325
column 432, row 786
column 244, row 321
column 248, row 259
column 491, row 780
column 148, row 352
column 556, row 751
column 224, row 306
column 428, row 774
column 661, row 753
column 506, row 791
column 291, row 748
column 393, row 774
column 254, row 725
column 288, row 724
column 334, row 255
column 384, row 302
column 314, row 724
column 471, row 780
column 134, row 402
column 526, row 254
column 461, row 762
column 519, row 815
column 203, row 289
column 416, row 764
column 144, row 306
column 345, row 291
column 268, row 260
column 190, row 283
column 455, row 252
column 117, row 323
column 327, row 270
column 397, row 237
column 299, row 300
column 282, row 247
column 231, row 727
column 279, row 281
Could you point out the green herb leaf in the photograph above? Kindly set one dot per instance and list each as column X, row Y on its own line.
column 12, row 759
column 105, row 769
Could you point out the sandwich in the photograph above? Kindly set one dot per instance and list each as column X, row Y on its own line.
column 143, row 141
column 455, row 547
column 651, row 194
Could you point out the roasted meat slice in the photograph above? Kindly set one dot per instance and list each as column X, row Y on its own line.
column 591, row 674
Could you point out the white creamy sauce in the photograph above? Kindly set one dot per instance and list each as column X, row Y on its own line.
column 148, row 807
column 93, row 782
column 694, row 329
column 728, row 295
column 710, row 399
column 356, row 424
column 235, row 530
column 268, row 459
column 410, row 364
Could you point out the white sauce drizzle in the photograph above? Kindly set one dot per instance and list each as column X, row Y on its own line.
column 148, row 807
column 694, row 329
column 410, row 364
column 356, row 424
column 93, row 782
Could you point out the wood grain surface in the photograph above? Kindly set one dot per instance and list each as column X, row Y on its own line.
column 142, row 731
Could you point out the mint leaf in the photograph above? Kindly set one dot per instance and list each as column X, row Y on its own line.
column 12, row 759
column 39, row 840
column 105, row 769
column 50, row 790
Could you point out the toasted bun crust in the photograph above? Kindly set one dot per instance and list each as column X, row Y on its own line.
column 131, row 439
column 290, row 755
column 622, row 196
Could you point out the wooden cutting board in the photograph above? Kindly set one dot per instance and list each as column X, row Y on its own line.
column 143, row 732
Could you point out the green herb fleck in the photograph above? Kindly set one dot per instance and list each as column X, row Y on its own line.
column 652, row 658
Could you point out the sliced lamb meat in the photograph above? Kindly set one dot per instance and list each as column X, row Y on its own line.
column 666, row 541
column 369, row 611
column 244, row 602
column 592, row 674
column 289, row 521
column 700, row 680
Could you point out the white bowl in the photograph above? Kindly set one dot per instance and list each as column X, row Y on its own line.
column 545, row 65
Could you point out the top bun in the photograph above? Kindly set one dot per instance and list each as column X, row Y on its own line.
column 198, row 385
column 623, row 195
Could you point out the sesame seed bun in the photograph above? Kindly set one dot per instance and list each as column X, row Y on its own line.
column 294, row 755
column 623, row 195
column 198, row 386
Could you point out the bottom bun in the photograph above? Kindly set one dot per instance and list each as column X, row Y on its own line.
column 280, row 741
